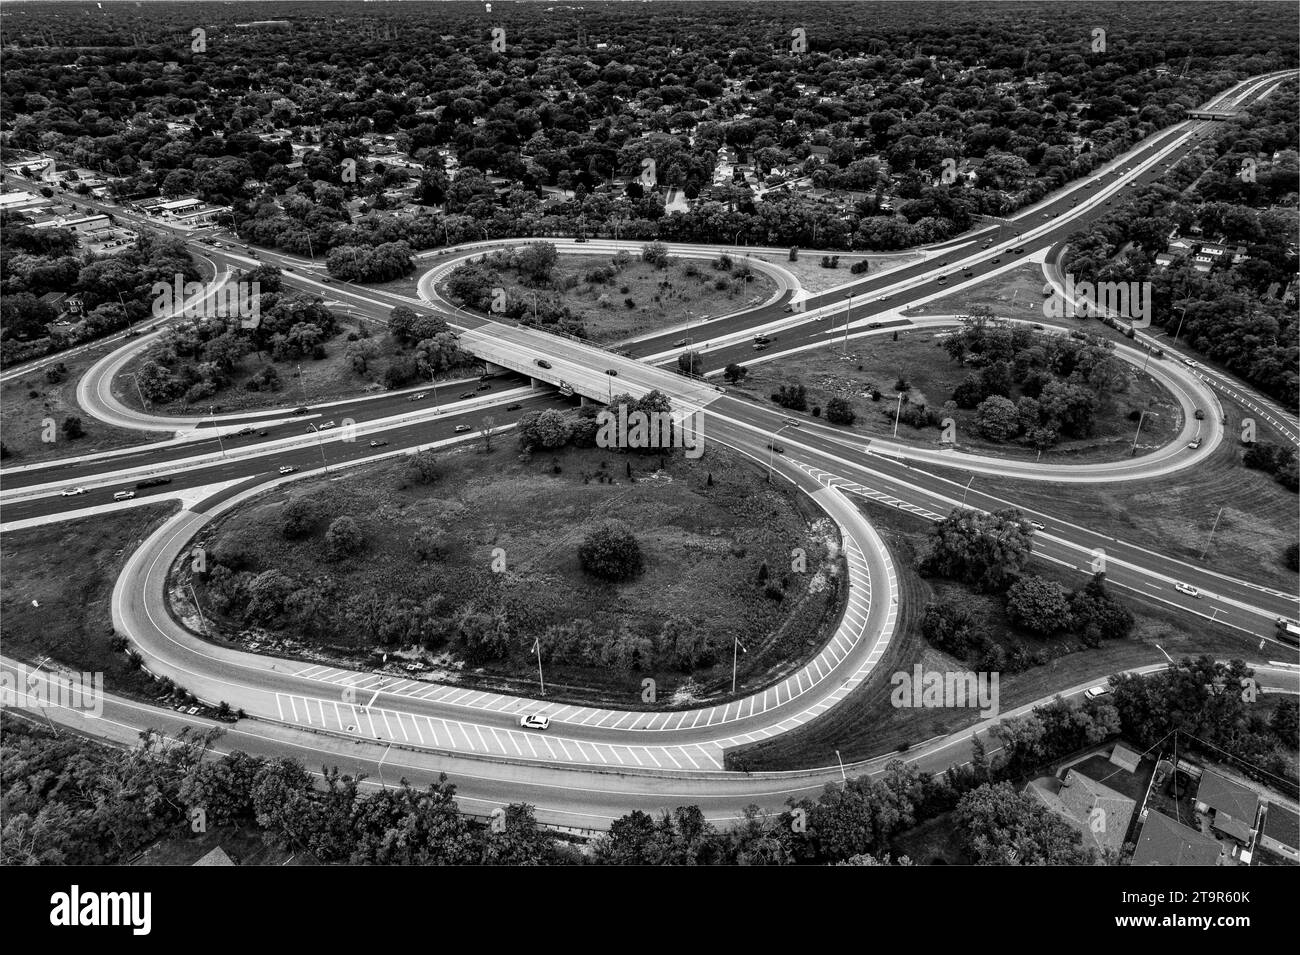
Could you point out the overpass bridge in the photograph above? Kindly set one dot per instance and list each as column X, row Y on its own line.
column 1213, row 114
column 579, row 368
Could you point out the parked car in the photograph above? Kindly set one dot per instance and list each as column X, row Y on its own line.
column 1187, row 589
column 543, row 363
column 531, row 721
column 123, row 495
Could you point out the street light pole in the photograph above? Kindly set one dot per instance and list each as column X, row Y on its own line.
column 771, row 451
column 966, row 489
column 1182, row 314
column 735, row 650
column 844, row 777
column 1141, row 418
column 848, row 317
column 1212, row 530
column 212, row 415
column 898, row 413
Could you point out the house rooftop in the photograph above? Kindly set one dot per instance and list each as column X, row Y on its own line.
column 1223, row 795
column 1282, row 824
column 1166, row 842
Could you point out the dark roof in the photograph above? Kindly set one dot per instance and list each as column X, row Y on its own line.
column 1125, row 758
column 1282, row 824
column 1166, row 842
column 1232, row 827
column 1223, row 795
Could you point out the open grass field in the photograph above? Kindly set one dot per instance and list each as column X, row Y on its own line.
column 1016, row 293
column 704, row 547
column 1173, row 515
column 27, row 402
column 867, row 724
column 687, row 291
column 814, row 277
column 879, row 362
column 68, row 571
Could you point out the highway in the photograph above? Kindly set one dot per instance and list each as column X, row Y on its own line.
column 596, row 763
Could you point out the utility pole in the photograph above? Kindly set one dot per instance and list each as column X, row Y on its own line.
column 1212, row 530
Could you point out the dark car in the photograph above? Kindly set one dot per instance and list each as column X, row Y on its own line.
column 299, row 411
column 875, row 324
column 466, row 394
column 1199, row 415
column 514, row 407
column 612, row 372
column 483, row 386
column 1018, row 251
column 543, row 363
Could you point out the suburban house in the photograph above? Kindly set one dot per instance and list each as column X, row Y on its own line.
column 1166, row 842
column 1281, row 831
column 1099, row 813
column 1232, row 808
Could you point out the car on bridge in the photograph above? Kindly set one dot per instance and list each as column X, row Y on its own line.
column 1187, row 589
column 531, row 721
column 543, row 363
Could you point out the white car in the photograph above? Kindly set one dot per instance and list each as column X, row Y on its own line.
column 462, row 428
column 123, row 495
column 792, row 422
column 1189, row 363
column 1194, row 443
column 72, row 491
column 534, row 722
column 1187, row 589
column 1095, row 691
column 1036, row 525
column 287, row 469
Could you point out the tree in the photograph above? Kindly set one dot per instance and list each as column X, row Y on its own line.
column 734, row 372
column 536, row 260
column 996, row 418
column 611, row 552
column 422, row 467
column 1039, row 605
column 343, row 538
column 984, row 550
column 299, row 518
column 840, row 411
column 72, row 428
column 690, row 363
column 999, row 826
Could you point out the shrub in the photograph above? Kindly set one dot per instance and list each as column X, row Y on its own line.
column 611, row 552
